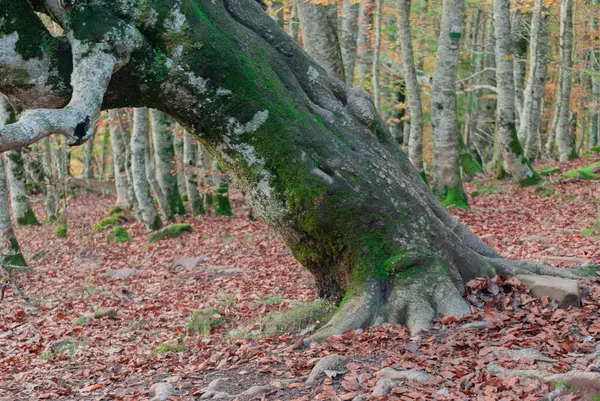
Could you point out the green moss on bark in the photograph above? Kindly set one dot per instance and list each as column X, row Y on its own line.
column 455, row 197
column 222, row 203
column 28, row 219
column 16, row 258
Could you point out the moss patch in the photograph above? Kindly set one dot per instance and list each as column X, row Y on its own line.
column 118, row 235
column 203, row 322
column 115, row 211
column 171, row 231
column 221, row 202
column 61, row 231
column 28, row 219
column 548, row 171
column 590, row 172
column 294, row 320
column 108, row 222
column 456, row 198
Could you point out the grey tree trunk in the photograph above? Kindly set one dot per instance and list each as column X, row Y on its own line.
column 364, row 56
column 536, row 80
column 377, row 54
column 161, row 199
column 311, row 156
column 51, row 199
column 413, row 90
column 119, row 158
column 349, row 39
column 477, row 49
column 512, row 152
column 179, row 161
column 447, row 180
column 294, row 23
column 10, row 250
column 192, row 179
column 519, row 44
column 564, row 140
column 551, row 140
column 594, row 112
column 139, row 145
column 319, row 35
column 88, row 161
column 164, row 154
column 19, row 200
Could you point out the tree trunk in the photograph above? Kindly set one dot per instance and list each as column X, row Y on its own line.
column 365, row 43
column 19, row 200
column 88, row 161
column 377, row 54
column 349, row 39
column 477, row 62
column 319, row 35
column 512, row 152
column 119, row 157
column 413, row 90
column 294, row 23
column 519, row 44
column 179, row 161
column 536, row 80
column 594, row 111
column 51, row 199
column 164, row 153
column 10, row 249
column 190, row 150
column 446, row 178
column 565, row 142
column 312, row 157
column 139, row 144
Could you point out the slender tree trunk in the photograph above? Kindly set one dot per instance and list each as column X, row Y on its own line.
column 594, row 112
column 163, row 203
column 139, row 144
column 294, row 23
column 10, row 250
column 190, row 160
column 349, row 39
column 519, row 44
column 413, row 90
column 565, row 142
column 512, row 152
column 320, row 37
column 550, row 143
column 88, row 161
column 365, row 43
column 377, row 54
column 164, row 153
column 19, row 200
column 179, row 161
column 119, row 157
column 536, row 80
column 51, row 199
column 476, row 48
column 447, row 180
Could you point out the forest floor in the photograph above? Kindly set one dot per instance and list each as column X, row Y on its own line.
column 69, row 346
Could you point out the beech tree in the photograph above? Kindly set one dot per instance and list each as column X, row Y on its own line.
column 312, row 156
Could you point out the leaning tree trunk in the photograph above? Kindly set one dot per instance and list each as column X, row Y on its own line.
column 512, row 152
column 139, row 144
column 164, row 153
column 312, row 157
column 349, row 39
column 119, row 157
column 446, row 174
column 413, row 90
column 190, row 160
column 536, row 80
column 10, row 250
column 564, row 140
column 319, row 35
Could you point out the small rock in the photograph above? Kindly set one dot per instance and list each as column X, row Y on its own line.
column 542, row 239
column 122, row 273
column 383, row 387
column 358, row 398
column 258, row 390
column 410, row 375
column 552, row 260
column 331, row 362
column 587, row 383
column 161, row 391
column 475, row 326
column 562, row 290
column 488, row 236
column 525, row 353
column 188, row 263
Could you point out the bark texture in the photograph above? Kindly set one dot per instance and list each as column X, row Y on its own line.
column 190, row 159
column 365, row 43
column 119, row 157
column 446, row 178
column 19, row 200
column 349, row 39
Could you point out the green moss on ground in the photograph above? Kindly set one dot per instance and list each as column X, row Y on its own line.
column 590, row 172
column 115, row 211
column 118, row 235
column 204, row 321
column 171, row 231
column 595, row 149
column 61, row 231
column 294, row 320
column 548, row 171
column 108, row 222
column 28, row 219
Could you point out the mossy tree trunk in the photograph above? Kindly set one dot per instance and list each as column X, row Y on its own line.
column 119, row 157
column 179, row 162
column 164, row 155
column 312, row 157
column 19, row 200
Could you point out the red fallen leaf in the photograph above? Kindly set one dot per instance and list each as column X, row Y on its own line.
column 348, row 396
column 449, row 319
column 295, row 385
column 95, row 387
column 20, row 314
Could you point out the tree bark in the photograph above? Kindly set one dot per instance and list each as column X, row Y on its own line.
column 319, row 35
column 512, row 152
column 164, row 154
column 413, row 90
column 349, row 39
column 313, row 159
column 565, row 142
column 519, row 44
column 88, row 161
column 179, row 161
column 190, row 150
column 536, row 80
column 139, row 144
column 119, row 158
column 365, row 43
column 377, row 54
column 446, row 178
column 19, row 200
